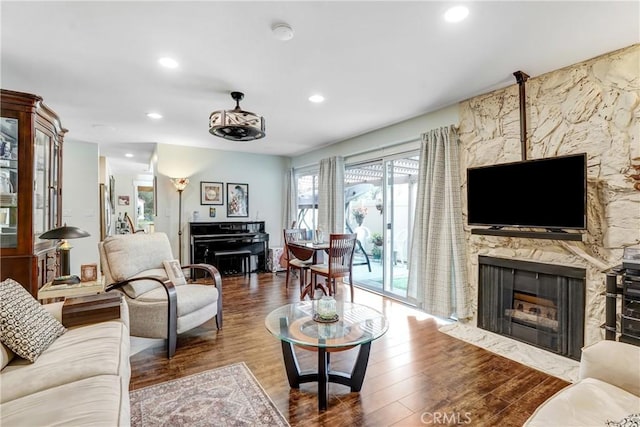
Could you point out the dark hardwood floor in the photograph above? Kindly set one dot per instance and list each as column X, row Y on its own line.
column 416, row 375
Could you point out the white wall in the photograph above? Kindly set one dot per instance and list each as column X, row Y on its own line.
column 125, row 185
column 263, row 173
column 403, row 136
column 80, row 200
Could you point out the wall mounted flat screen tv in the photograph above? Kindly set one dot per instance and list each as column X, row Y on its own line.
column 544, row 193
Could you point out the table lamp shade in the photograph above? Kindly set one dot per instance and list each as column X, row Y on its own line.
column 63, row 233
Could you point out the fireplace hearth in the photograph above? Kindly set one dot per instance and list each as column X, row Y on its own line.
column 540, row 304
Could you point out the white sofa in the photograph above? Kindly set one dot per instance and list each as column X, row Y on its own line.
column 81, row 379
column 608, row 390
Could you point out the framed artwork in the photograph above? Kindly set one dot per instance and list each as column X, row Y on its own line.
column 112, row 193
column 123, row 200
column 88, row 272
column 212, row 212
column 237, row 200
column 105, row 212
column 211, row 193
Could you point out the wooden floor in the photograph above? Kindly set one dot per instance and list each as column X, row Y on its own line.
column 416, row 376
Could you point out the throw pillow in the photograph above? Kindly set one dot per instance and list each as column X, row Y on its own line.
column 632, row 420
column 174, row 272
column 25, row 326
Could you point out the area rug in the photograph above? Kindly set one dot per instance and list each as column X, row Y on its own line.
column 226, row 396
column 537, row 358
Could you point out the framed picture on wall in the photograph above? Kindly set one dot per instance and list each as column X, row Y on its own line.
column 237, row 200
column 112, row 193
column 211, row 193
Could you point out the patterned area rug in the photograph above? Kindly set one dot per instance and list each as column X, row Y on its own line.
column 227, row 396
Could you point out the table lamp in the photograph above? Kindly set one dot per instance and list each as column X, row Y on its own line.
column 63, row 234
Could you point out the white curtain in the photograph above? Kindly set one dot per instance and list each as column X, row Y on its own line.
column 290, row 205
column 331, row 195
column 437, row 276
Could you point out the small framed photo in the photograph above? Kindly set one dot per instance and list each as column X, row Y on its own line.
column 123, row 200
column 212, row 212
column 88, row 272
column 237, row 200
column 211, row 193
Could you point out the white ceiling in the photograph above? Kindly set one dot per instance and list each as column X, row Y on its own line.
column 376, row 62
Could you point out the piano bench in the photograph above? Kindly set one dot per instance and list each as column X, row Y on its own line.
column 244, row 254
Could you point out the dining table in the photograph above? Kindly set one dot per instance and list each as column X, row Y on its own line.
column 305, row 250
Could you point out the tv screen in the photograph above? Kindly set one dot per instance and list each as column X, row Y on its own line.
column 544, row 193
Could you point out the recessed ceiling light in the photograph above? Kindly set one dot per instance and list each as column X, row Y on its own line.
column 317, row 98
column 155, row 116
column 128, row 155
column 456, row 14
column 168, row 62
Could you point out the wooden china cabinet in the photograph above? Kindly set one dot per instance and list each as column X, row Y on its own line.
column 30, row 188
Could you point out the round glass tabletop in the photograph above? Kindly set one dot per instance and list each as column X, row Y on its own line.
column 356, row 324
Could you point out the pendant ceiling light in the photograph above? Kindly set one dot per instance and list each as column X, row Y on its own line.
column 236, row 125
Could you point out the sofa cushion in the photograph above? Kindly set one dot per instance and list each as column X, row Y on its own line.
column 190, row 297
column 25, row 327
column 83, row 352
column 6, row 355
column 589, row 402
column 96, row 401
column 130, row 254
column 613, row 362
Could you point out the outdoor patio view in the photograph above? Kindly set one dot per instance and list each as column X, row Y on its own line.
column 381, row 216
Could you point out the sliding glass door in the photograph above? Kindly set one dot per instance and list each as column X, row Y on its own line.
column 380, row 203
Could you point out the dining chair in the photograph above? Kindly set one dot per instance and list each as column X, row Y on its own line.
column 293, row 263
column 339, row 262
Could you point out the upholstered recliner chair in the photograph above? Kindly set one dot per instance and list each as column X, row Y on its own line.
column 134, row 264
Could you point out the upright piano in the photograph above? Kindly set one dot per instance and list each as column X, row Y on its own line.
column 210, row 237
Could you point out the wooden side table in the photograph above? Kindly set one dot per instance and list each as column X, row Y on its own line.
column 78, row 311
column 49, row 290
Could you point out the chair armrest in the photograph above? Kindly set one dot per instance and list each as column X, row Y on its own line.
column 217, row 282
column 210, row 269
column 166, row 283
column 172, row 307
column 613, row 362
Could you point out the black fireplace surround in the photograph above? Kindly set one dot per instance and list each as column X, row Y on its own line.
column 540, row 304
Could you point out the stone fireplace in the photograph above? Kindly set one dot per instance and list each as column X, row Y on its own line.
column 539, row 304
column 591, row 107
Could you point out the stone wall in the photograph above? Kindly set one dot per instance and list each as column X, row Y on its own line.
column 591, row 107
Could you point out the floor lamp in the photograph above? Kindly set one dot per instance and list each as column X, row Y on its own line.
column 180, row 184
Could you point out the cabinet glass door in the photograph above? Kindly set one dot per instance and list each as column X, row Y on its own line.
column 8, row 182
column 40, row 185
column 55, row 186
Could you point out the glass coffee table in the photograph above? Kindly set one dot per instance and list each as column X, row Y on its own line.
column 357, row 326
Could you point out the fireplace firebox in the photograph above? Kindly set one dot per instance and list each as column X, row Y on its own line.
column 540, row 304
